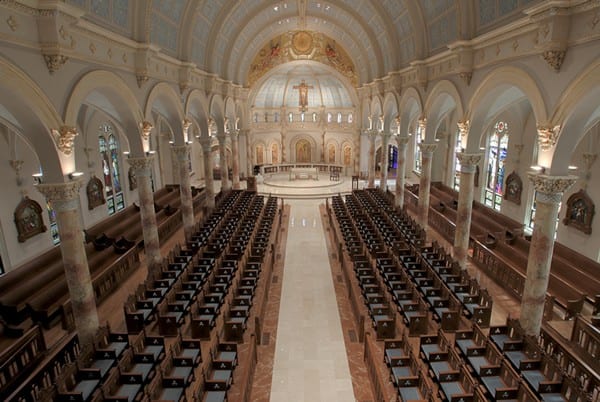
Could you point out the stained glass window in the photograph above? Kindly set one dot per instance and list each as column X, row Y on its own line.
column 458, row 148
column 314, row 117
column 496, row 166
column 418, row 140
column 350, row 118
column 329, row 117
column 339, row 117
column 290, row 117
column 111, row 169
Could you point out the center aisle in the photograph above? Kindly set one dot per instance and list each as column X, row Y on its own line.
column 310, row 356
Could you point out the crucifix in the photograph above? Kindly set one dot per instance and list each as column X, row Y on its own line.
column 303, row 95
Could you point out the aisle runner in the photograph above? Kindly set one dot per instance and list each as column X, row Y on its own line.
column 310, row 357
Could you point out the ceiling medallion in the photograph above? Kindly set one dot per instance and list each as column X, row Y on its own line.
column 302, row 42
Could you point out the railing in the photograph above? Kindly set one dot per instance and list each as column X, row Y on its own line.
column 287, row 167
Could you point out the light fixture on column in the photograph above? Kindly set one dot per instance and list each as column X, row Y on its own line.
column 74, row 175
column 127, row 153
column 38, row 178
column 171, row 142
column 150, row 153
column 538, row 169
column 572, row 167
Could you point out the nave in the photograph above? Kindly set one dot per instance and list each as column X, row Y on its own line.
column 310, row 338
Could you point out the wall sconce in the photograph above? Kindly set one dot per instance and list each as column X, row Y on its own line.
column 126, row 153
column 171, row 142
column 149, row 153
column 573, row 168
column 38, row 178
column 74, row 175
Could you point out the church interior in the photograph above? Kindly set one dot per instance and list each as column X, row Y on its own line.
column 299, row 200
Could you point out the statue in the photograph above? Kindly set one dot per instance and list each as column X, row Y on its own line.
column 303, row 95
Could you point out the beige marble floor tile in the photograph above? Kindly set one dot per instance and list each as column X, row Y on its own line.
column 310, row 358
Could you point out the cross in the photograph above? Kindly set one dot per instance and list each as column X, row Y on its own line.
column 303, row 95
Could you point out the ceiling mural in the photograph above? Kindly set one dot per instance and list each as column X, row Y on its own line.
column 302, row 45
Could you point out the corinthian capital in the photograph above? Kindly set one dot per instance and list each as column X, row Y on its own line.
column 65, row 139
column 182, row 152
column 62, row 196
column 551, row 188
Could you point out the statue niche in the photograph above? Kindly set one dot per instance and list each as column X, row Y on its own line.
column 303, row 152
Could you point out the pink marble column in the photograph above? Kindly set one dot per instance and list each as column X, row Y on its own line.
column 356, row 153
column 425, row 182
column 142, row 167
column 384, row 160
column 468, row 163
column 182, row 155
column 225, row 184
column 235, row 152
column 284, row 157
column 401, row 171
column 371, row 177
column 549, row 192
column 64, row 198
column 209, row 181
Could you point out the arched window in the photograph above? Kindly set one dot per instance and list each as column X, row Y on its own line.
column 314, row 117
column 256, row 117
column 290, row 117
column 457, row 148
column 497, row 151
column 329, row 118
column 276, row 117
column 111, row 170
column 339, row 117
column 302, row 117
column 418, row 140
column 350, row 118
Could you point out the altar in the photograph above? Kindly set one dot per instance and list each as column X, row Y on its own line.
column 304, row 173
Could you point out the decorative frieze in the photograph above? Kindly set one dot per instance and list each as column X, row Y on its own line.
column 554, row 58
column 547, row 136
column 65, row 139
column 55, row 61
column 146, row 127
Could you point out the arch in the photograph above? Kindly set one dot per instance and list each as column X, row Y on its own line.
column 262, row 158
column 303, row 137
column 410, row 107
column 196, row 106
column 390, row 109
column 376, row 111
column 32, row 112
column 443, row 99
column 502, row 87
column 108, row 92
column 230, row 113
column 577, row 112
column 163, row 100
column 217, row 112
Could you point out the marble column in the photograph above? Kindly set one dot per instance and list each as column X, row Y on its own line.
column 323, row 150
column 209, row 181
column 182, row 155
column 371, row 176
column 384, row 160
column 64, row 198
column 284, row 157
column 425, row 182
column 549, row 192
column 225, row 184
column 142, row 167
column 235, row 155
column 249, row 166
column 401, row 171
column 356, row 153
column 468, row 163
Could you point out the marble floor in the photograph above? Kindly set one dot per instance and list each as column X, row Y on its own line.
column 310, row 361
